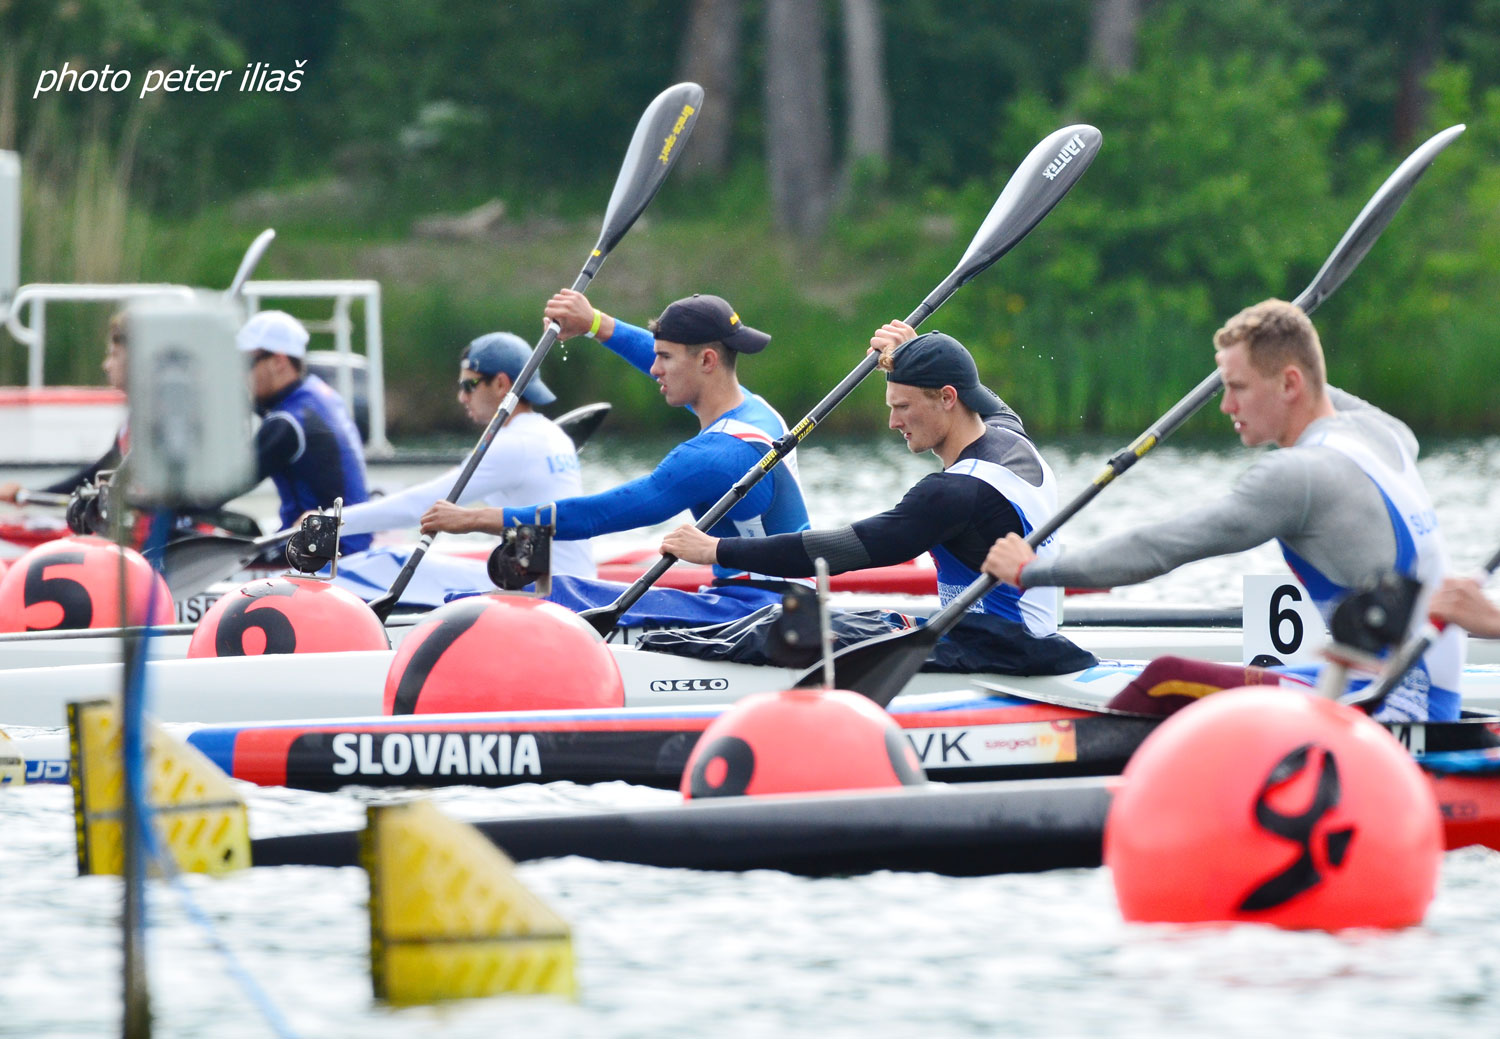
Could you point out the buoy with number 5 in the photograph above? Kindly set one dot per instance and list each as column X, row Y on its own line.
column 74, row 582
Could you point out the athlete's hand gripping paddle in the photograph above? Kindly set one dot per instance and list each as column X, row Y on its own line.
column 1038, row 184
column 659, row 137
column 880, row 668
column 1373, row 695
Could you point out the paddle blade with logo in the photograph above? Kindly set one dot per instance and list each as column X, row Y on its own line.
column 654, row 148
column 1038, row 184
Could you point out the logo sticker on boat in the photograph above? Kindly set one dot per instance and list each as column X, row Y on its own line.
column 435, row 754
column 192, row 609
column 978, row 745
column 689, row 685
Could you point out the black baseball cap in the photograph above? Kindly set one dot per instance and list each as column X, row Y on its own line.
column 706, row 319
column 935, row 359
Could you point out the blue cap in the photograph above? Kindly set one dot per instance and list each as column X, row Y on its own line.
column 506, row 352
column 935, row 360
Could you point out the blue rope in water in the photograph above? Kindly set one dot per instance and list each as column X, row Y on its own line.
column 133, row 727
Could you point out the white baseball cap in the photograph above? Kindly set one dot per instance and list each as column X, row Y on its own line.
column 273, row 331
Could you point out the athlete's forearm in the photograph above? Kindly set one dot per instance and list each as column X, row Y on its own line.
column 402, row 509
column 633, row 343
column 1250, row 515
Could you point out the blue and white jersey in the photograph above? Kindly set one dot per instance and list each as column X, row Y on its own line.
column 693, row 476
column 1035, row 504
column 999, row 485
column 1433, row 685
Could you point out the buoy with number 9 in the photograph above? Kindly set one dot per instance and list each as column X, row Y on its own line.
column 1273, row 806
column 74, row 582
column 800, row 740
column 501, row 653
column 287, row 615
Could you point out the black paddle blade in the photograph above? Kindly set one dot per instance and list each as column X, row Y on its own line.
column 877, row 668
column 659, row 136
column 1372, row 220
column 384, row 605
column 192, row 564
column 581, row 423
column 1039, row 183
column 602, row 618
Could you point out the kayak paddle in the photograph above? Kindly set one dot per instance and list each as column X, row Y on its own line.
column 1373, row 695
column 193, row 563
column 658, row 141
column 1038, row 184
column 881, row 667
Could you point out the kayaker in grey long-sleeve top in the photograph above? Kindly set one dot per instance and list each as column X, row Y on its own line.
column 1317, row 500
column 1343, row 498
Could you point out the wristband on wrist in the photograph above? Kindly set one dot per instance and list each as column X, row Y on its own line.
column 593, row 331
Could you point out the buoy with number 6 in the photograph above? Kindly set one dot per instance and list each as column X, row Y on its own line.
column 287, row 615
column 501, row 653
column 74, row 582
column 800, row 740
column 1273, row 806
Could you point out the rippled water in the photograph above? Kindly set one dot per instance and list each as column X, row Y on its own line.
column 675, row 953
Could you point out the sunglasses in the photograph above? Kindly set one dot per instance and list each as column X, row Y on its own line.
column 470, row 385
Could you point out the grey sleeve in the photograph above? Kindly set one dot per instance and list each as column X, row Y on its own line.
column 1344, row 401
column 1270, row 500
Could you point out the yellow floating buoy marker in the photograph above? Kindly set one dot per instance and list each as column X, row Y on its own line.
column 449, row 919
column 200, row 818
column 12, row 764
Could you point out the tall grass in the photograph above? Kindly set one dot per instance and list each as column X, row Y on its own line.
column 79, row 224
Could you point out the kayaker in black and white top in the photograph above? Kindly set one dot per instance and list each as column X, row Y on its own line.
column 1343, row 498
column 993, row 482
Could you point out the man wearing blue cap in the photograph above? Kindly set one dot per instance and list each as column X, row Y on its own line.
column 993, row 482
column 530, row 459
column 691, row 350
column 306, row 444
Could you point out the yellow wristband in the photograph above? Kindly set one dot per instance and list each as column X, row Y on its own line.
column 594, row 328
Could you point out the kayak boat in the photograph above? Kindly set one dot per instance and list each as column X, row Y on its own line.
column 971, row 830
column 335, row 685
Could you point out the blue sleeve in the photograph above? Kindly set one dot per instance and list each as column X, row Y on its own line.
column 634, row 344
column 278, row 441
column 693, row 476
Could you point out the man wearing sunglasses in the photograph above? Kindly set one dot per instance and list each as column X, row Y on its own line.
column 691, row 350
column 307, row 443
column 530, row 459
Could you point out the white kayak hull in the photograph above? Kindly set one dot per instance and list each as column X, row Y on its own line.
column 332, row 685
column 1105, row 642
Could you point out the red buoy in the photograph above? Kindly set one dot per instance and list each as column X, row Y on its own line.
column 800, row 740
column 287, row 615
column 74, row 582
column 1273, row 806
column 501, row 653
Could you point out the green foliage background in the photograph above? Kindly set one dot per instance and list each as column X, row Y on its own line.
column 1246, row 138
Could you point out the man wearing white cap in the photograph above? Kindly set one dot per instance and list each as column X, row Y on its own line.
column 307, row 443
